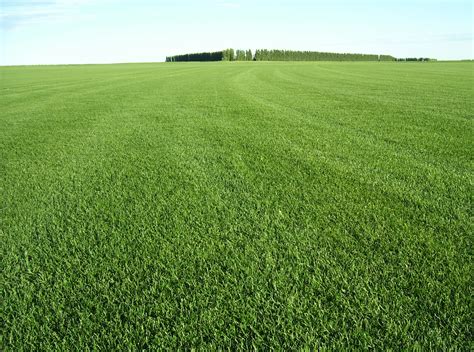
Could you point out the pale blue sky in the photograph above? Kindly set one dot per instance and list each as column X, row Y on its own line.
column 104, row 31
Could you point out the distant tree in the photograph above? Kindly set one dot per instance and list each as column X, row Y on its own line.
column 248, row 55
column 240, row 55
column 228, row 55
column 225, row 55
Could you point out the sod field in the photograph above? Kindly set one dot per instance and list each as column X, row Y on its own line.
column 245, row 205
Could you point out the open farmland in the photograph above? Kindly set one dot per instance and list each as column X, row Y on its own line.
column 236, row 205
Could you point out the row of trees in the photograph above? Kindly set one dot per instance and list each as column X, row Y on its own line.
column 214, row 56
column 283, row 55
column 416, row 59
column 386, row 58
column 242, row 55
column 290, row 55
column 228, row 55
column 224, row 55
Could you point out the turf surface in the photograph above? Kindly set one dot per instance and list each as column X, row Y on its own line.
column 236, row 205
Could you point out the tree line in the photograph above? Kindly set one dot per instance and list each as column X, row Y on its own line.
column 416, row 59
column 224, row 55
column 283, row 55
column 291, row 55
column 213, row 56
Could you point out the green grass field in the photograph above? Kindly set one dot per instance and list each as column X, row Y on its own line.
column 237, row 205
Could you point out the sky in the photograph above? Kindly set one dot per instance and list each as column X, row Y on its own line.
column 110, row 31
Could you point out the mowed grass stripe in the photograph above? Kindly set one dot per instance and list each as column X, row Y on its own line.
column 240, row 205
